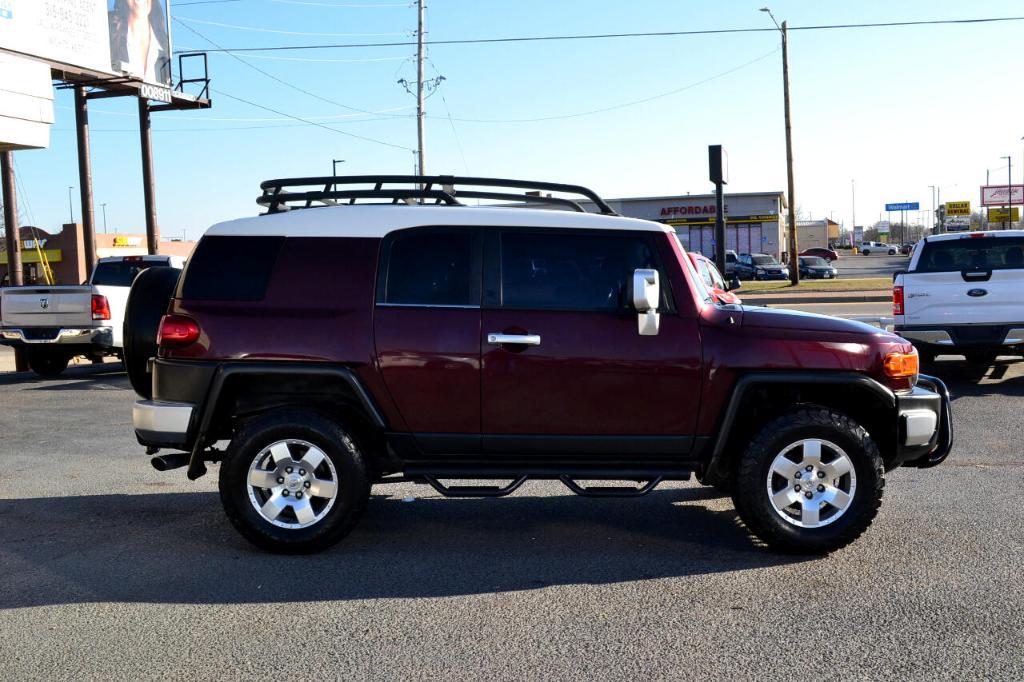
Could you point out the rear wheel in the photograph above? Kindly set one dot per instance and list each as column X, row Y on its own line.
column 293, row 482
column 147, row 302
column 46, row 362
column 810, row 482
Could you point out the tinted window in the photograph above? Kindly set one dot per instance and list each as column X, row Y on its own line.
column 574, row 272
column 432, row 268
column 763, row 260
column 812, row 261
column 230, row 268
column 972, row 253
column 120, row 273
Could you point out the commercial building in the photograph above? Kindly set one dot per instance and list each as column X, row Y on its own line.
column 64, row 253
column 754, row 221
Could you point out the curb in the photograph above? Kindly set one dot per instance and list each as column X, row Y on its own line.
column 782, row 300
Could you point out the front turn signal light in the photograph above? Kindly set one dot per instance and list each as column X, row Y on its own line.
column 900, row 365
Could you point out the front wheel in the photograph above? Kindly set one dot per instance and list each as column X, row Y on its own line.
column 293, row 482
column 810, row 482
column 47, row 363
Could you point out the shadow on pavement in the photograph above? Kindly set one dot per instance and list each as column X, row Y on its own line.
column 180, row 548
column 75, row 377
column 1003, row 377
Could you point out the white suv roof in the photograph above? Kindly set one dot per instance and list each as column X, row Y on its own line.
column 377, row 220
column 946, row 236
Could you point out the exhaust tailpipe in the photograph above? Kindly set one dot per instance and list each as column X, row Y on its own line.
column 172, row 460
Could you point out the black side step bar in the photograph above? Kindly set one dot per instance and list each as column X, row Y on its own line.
column 610, row 490
column 475, row 490
column 647, row 480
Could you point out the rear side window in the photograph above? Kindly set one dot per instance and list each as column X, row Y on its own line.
column 432, row 267
column 572, row 272
column 230, row 268
column 120, row 273
column 972, row 253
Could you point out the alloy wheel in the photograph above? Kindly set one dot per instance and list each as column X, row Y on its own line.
column 811, row 483
column 292, row 484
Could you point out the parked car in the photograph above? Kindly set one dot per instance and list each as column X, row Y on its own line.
column 713, row 280
column 907, row 248
column 814, row 267
column 867, row 248
column 730, row 264
column 760, row 266
column 828, row 254
column 963, row 294
column 507, row 344
column 57, row 323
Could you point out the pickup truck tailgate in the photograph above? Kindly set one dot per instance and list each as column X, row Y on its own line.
column 954, row 298
column 64, row 306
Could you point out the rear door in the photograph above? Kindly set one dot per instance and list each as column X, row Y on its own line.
column 973, row 279
column 427, row 333
column 588, row 382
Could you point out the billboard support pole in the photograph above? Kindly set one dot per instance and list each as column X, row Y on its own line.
column 14, row 271
column 85, row 179
column 148, row 185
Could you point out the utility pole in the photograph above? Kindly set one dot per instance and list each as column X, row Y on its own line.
column 103, row 207
column 853, row 207
column 14, row 271
column 71, row 205
column 794, row 271
column 419, row 85
column 1009, row 191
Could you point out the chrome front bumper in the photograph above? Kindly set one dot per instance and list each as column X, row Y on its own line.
column 160, row 423
column 88, row 336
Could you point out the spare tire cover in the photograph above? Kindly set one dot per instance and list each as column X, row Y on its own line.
column 150, row 294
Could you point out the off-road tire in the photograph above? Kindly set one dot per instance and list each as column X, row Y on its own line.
column 147, row 303
column 334, row 441
column 47, row 363
column 751, row 497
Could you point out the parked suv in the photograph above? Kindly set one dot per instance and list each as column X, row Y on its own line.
column 963, row 294
column 356, row 344
column 760, row 266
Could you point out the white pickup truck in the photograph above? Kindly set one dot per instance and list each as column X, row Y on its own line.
column 57, row 323
column 963, row 294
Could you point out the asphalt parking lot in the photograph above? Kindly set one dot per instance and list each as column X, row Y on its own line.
column 113, row 570
column 874, row 265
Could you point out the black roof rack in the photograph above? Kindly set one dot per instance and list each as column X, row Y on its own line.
column 291, row 193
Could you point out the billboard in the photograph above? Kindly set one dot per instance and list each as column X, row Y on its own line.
column 1001, row 195
column 904, row 206
column 140, row 39
column 116, row 37
column 958, row 208
column 1002, row 215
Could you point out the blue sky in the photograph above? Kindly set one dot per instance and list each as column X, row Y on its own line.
column 896, row 109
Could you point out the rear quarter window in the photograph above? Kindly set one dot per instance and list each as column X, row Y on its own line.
column 230, row 268
column 972, row 253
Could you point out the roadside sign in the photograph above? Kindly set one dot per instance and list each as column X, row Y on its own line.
column 904, row 206
column 958, row 224
column 1000, row 195
column 958, row 208
column 883, row 227
column 1001, row 215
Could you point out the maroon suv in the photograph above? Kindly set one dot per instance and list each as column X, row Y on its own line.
column 385, row 332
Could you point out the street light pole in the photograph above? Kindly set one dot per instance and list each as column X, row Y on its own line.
column 794, row 271
column 334, row 166
column 853, row 208
column 71, row 205
column 104, row 209
column 1009, row 190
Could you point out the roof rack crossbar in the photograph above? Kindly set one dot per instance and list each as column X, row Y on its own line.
column 275, row 197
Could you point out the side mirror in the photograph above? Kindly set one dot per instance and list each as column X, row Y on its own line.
column 646, row 296
column 733, row 284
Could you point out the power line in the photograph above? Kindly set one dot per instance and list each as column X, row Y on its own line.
column 259, row 29
column 604, row 36
column 275, row 78
column 312, row 123
column 623, row 105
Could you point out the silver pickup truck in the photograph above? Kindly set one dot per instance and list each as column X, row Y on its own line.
column 57, row 323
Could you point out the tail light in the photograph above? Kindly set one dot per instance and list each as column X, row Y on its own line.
column 100, row 307
column 897, row 300
column 177, row 330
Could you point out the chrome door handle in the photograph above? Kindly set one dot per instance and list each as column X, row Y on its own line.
column 521, row 339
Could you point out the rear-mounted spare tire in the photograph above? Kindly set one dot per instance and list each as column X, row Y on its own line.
column 150, row 294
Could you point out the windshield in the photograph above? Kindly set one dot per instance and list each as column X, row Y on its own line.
column 972, row 253
column 119, row 273
column 813, row 261
column 764, row 260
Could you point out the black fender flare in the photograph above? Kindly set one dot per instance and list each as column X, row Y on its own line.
column 715, row 469
column 227, row 370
